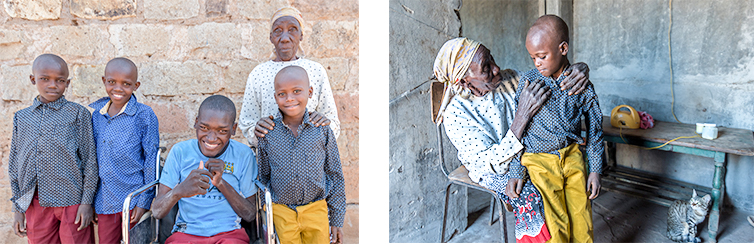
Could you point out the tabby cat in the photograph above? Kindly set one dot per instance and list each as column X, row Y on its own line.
column 684, row 216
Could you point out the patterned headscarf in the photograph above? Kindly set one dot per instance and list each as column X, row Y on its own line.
column 293, row 12
column 451, row 64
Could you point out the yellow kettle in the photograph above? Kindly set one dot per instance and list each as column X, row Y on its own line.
column 623, row 119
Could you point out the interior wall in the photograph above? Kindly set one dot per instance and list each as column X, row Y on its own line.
column 625, row 44
column 418, row 29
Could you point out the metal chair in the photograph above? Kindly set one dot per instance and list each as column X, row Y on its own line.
column 460, row 176
column 148, row 228
column 143, row 229
column 265, row 227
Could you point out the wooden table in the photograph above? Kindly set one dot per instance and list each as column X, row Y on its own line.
column 730, row 140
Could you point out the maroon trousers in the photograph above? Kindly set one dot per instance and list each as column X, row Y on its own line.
column 231, row 237
column 109, row 228
column 55, row 224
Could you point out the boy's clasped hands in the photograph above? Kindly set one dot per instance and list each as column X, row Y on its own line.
column 195, row 184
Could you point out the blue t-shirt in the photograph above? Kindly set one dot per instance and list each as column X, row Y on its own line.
column 209, row 214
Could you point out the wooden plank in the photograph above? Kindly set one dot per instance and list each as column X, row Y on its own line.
column 659, row 190
column 730, row 140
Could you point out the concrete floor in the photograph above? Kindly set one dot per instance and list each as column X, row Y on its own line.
column 618, row 218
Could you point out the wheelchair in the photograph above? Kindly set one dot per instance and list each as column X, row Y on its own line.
column 147, row 230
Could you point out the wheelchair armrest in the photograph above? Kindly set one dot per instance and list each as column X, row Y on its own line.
column 126, row 214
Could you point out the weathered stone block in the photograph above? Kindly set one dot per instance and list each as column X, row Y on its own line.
column 236, row 75
column 351, row 225
column 87, row 81
column 170, row 9
column 348, row 107
column 338, row 71
column 105, row 10
column 33, row 9
column 255, row 37
column 78, row 41
column 328, row 10
column 173, row 119
column 351, row 178
column 214, row 40
column 178, row 78
column 260, row 9
column 333, row 39
column 216, row 8
column 16, row 85
column 10, row 44
column 348, row 144
column 137, row 39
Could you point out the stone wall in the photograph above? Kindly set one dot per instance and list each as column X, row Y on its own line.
column 185, row 50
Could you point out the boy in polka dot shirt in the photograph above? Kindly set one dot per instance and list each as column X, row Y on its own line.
column 53, row 164
column 127, row 138
column 552, row 156
column 300, row 163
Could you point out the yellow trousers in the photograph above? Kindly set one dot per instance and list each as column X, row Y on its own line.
column 306, row 224
column 562, row 182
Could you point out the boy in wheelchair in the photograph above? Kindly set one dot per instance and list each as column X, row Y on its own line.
column 210, row 178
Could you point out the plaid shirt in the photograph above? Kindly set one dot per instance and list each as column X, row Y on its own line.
column 304, row 169
column 558, row 124
column 53, row 151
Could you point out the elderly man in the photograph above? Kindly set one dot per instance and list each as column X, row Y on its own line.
column 485, row 124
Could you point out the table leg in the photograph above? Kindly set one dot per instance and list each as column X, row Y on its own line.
column 718, row 194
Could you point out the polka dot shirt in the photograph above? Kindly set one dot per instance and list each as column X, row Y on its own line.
column 478, row 128
column 259, row 97
column 304, row 169
column 52, row 150
column 126, row 150
column 558, row 123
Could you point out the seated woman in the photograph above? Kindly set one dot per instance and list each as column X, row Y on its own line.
column 485, row 124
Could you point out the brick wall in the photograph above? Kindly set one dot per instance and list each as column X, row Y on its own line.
column 185, row 50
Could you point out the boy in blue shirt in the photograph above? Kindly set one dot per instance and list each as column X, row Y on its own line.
column 300, row 164
column 210, row 178
column 127, row 138
column 53, row 164
column 552, row 158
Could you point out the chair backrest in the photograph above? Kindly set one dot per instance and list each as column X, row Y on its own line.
column 436, row 94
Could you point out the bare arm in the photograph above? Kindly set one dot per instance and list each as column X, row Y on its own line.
column 244, row 207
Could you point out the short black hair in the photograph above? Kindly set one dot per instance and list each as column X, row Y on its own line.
column 219, row 103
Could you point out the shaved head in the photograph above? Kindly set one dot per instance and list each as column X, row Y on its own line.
column 550, row 26
column 123, row 65
column 292, row 72
column 50, row 61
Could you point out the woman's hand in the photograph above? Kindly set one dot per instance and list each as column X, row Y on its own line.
column 577, row 78
column 263, row 126
column 532, row 97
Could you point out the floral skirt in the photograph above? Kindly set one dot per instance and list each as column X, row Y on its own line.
column 528, row 208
